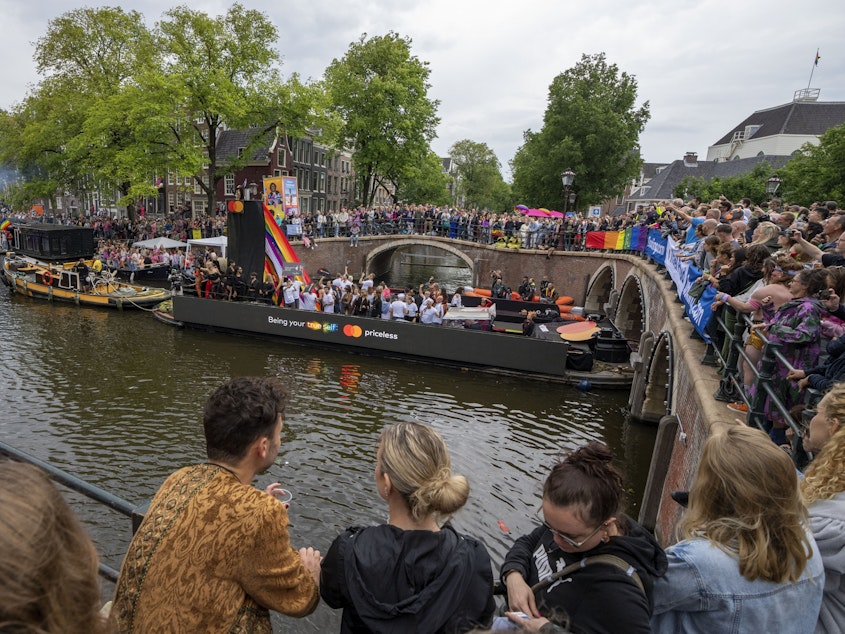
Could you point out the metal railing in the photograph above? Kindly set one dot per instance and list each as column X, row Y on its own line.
column 732, row 387
column 135, row 513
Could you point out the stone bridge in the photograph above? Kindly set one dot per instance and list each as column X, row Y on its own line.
column 671, row 387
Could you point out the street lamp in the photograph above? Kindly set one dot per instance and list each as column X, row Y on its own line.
column 772, row 185
column 567, row 178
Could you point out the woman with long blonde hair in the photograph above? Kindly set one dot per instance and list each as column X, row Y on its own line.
column 748, row 562
column 48, row 565
column 823, row 489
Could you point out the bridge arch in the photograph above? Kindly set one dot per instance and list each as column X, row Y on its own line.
column 384, row 249
column 599, row 290
column 630, row 315
column 659, row 377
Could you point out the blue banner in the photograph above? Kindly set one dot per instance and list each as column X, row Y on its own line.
column 684, row 274
column 655, row 246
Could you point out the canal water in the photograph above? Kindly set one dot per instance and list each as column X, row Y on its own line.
column 116, row 399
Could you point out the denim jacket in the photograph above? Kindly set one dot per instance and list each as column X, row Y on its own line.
column 703, row 592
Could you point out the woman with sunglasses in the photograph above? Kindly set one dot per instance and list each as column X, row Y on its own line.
column 587, row 559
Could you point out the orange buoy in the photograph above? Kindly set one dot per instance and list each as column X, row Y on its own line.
column 47, row 277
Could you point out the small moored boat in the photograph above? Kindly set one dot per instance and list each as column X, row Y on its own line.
column 32, row 278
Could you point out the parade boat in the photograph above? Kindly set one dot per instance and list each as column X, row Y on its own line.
column 32, row 278
column 148, row 273
column 466, row 346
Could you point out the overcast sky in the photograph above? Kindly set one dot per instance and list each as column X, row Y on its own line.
column 703, row 66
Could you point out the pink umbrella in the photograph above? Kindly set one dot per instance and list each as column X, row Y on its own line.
column 555, row 214
column 522, row 208
column 536, row 213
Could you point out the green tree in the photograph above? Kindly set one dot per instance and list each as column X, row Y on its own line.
column 591, row 125
column 425, row 182
column 46, row 136
column 380, row 92
column 818, row 172
column 223, row 73
column 479, row 176
column 751, row 185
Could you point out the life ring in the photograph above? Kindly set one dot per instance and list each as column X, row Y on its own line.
column 47, row 277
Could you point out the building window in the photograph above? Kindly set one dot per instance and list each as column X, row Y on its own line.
column 314, row 182
column 241, row 151
column 197, row 186
column 277, row 172
column 322, row 181
column 282, row 157
column 229, row 185
column 170, row 200
column 170, row 180
column 199, row 205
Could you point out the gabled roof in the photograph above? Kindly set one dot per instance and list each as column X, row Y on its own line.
column 662, row 185
column 649, row 170
column 797, row 117
column 230, row 140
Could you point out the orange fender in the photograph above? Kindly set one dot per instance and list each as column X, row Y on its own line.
column 563, row 300
column 483, row 292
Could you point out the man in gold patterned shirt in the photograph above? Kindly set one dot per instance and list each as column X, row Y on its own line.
column 213, row 552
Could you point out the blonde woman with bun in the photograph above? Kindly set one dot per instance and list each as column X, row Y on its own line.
column 823, row 488
column 415, row 573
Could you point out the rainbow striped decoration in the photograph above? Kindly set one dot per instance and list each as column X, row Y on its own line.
column 5, row 225
column 277, row 250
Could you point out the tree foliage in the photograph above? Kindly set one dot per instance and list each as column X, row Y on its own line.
column 120, row 104
column 818, row 173
column 380, row 92
column 480, row 182
column 425, row 182
column 751, row 185
column 591, row 125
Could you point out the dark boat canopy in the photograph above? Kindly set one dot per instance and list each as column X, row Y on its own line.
column 53, row 242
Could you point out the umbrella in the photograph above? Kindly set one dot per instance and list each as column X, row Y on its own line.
column 555, row 214
column 522, row 208
column 160, row 243
column 536, row 213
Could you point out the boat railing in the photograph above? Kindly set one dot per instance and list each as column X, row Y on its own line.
column 133, row 512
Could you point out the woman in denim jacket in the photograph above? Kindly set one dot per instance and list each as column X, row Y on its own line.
column 823, row 489
column 749, row 563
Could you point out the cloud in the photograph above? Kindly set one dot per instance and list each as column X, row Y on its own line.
column 703, row 67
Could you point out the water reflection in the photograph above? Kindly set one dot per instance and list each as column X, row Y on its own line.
column 116, row 399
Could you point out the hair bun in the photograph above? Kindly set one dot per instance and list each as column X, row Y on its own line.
column 593, row 454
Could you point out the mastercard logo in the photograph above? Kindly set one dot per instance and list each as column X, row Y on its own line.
column 352, row 331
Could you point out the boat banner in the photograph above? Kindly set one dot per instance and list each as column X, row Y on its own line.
column 683, row 274
column 632, row 239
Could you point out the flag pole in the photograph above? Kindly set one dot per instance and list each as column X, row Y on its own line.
column 813, row 68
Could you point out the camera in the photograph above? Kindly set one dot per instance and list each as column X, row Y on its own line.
column 823, row 294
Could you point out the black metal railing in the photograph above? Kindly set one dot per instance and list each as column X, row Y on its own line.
column 732, row 387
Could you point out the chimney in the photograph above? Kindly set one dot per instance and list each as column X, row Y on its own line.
column 691, row 159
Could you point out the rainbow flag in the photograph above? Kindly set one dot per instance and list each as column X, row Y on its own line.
column 5, row 225
column 277, row 249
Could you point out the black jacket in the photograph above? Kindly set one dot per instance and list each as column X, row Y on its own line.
column 600, row 598
column 390, row 580
column 823, row 377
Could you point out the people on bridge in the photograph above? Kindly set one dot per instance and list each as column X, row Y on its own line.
column 415, row 573
column 213, row 553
